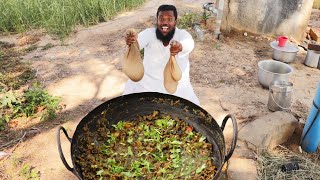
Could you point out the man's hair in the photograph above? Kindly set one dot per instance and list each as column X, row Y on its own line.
column 167, row 7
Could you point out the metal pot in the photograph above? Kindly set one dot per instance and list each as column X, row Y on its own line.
column 280, row 93
column 271, row 70
column 128, row 107
column 313, row 56
column 285, row 54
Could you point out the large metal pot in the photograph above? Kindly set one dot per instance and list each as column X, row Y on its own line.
column 285, row 54
column 128, row 107
column 313, row 56
column 271, row 70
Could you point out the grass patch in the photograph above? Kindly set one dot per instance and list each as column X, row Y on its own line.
column 59, row 17
column 270, row 164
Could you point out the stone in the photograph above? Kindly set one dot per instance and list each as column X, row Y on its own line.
column 270, row 130
column 28, row 39
column 238, row 71
column 242, row 169
column 242, row 150
column 315, row 34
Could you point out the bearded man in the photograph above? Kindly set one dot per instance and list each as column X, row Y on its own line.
column 158, row 48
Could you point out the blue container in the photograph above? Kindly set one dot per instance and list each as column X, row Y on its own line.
column 311, row 132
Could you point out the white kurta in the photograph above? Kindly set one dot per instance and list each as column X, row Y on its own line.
column 156, row 56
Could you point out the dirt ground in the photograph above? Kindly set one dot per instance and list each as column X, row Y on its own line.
column 85, row 70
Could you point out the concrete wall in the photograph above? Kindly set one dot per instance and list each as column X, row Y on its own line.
column 271, row 17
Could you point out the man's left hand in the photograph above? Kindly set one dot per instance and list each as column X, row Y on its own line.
column 175, row 48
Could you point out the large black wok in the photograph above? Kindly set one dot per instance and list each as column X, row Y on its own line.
column 128, row 107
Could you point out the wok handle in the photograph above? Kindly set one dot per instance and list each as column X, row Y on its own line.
column 235, row 134
column 60, row 149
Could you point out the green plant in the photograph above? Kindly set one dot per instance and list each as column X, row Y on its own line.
column 8, row 104
column 34, row 100
column 205, row 15
column 36, row 97
column 8, row 99
column 4, row 119
column 29, row 172
column 187, row 20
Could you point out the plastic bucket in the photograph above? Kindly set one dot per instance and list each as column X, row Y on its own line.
column 311, row 132
column 280, row 93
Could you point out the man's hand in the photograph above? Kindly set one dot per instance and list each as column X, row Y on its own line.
column 175, row 48
column 131, row 37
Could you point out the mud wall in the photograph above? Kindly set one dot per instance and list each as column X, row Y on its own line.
column 271, row 17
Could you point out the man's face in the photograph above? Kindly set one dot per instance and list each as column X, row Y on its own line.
column 166, row 22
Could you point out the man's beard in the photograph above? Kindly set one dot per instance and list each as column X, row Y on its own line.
column 167, row 37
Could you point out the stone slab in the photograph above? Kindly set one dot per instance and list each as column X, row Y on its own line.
column 270, row 130
column 242, row 169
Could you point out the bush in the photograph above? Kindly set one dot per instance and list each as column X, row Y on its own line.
column 187, row 20
column 31, row 102
column 35, row 99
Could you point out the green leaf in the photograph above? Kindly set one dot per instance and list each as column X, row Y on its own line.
column 128, row 174
column 202, row 138
column 176, row 142
column 130, row 153
column 130, row 140
column 130, row 133
column 8, row 100
column 99, row 173
column 202, row 167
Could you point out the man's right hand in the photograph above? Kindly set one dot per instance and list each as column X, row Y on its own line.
column 131, row 37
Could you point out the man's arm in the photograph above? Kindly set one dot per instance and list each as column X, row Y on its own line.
column 186, row 42
column 144, row 38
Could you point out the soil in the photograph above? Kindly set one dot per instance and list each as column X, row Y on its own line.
column 85, row 70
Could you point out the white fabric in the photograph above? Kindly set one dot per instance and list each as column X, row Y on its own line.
column 156, row 56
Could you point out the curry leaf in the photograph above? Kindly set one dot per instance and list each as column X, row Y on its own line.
column 199, row 169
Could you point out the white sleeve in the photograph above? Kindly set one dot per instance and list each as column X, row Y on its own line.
column 144, row 38
column 187, row 43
